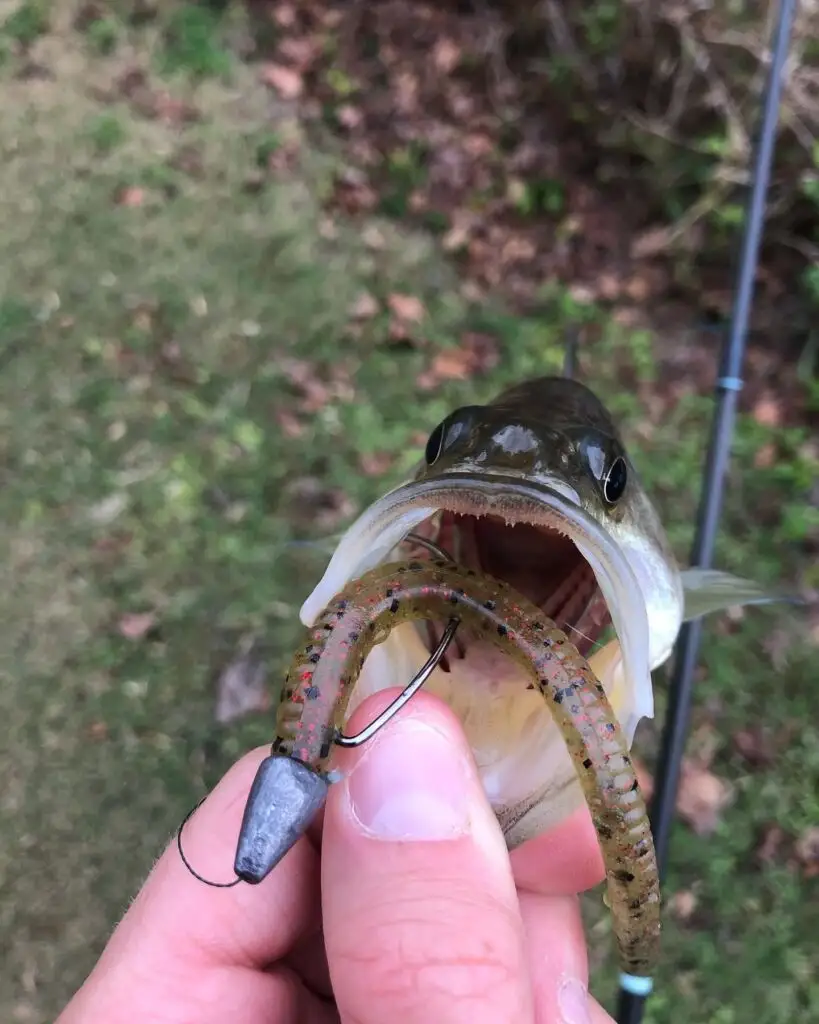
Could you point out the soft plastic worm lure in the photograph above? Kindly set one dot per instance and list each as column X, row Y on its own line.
column 291, row 784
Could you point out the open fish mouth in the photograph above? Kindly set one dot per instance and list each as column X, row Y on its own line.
column 533, row 535
column 537, row 538
column 538, row 562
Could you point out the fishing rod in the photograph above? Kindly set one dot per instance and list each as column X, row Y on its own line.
column 633, row 990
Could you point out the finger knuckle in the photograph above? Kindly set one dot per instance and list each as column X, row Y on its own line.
column 411, row 953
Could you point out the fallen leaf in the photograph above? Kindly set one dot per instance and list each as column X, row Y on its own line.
column 254, row 183
column 134, row 625
column 33, row 70
column 87, row 14
column 518, row 249
column 354, row 195
column 446, row 55
column 349, row 116
column 406, row 307
column 650, row 243
column 174, row 111
column 581, row 293
column 701, row 798
column 373, row 237
column 110, row 508
column 456, row 238
column 703, row 744
column 638, row 288
column 478, row 145
column 328, row 228
column 609, row 286
column 364, row 307
column 406, row 88
column 755, row 745
column 284, row 15
column 778, row 645
column 483, row 349
column 291, row 425
column 768, row 411
column 627, row 316
column 765, row 456
column 241, row 688
column 316, row 394
column 807, row 851
column 327, row 507
column 131, row 81
column 683, row 904
column 375, row 463
column 287, row 82
column 285, row 157
column 772, row 845
column 131, row 196
column 113, row 543
column 477, row 353
column 189, row 160
column 299, row 52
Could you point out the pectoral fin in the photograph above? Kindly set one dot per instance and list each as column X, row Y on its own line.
column 708, row 590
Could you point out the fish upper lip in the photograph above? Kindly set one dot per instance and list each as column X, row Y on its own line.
column 481, row 477
column 488, row 484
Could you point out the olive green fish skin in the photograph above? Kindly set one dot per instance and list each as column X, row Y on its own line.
column 324, row 672
column 544, row 429
column 549, row 432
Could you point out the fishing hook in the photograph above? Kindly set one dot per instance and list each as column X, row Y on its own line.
column 436, row 549
column 405, row 695
column 418, row 680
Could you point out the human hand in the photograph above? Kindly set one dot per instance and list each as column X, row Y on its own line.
column 402, row 905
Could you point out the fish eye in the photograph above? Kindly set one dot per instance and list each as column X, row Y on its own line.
column 455, row 427
column 615, row 480
column 435, row 444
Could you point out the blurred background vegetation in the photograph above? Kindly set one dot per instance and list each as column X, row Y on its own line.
column 250, row 254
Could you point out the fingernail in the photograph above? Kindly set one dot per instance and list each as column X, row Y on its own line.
column 573, row 1001
column 413, row 783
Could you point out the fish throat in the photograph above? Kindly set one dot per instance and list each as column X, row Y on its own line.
column 537, row 561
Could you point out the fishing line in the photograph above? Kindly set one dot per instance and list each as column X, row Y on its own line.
column 634, row 991
column 187, row 863
column 596, row 645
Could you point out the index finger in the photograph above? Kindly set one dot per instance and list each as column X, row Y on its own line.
column 191, row 924
column 563, row 861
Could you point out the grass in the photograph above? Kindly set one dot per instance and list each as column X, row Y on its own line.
column 144, row 347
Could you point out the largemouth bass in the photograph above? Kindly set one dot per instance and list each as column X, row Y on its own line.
column 536, row 489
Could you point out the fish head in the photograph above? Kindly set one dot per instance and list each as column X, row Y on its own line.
column 556, row 439
column 534, row 488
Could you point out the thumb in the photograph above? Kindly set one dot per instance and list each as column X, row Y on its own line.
column 421, row 918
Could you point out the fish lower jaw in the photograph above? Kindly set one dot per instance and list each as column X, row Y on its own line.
column 520, row 754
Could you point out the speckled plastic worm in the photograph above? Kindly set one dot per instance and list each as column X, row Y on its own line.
column 323, row 674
